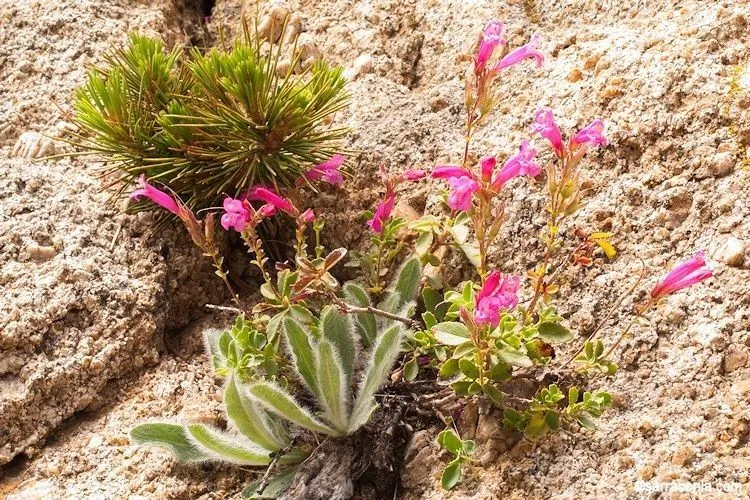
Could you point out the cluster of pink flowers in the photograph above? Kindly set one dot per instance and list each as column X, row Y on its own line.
column 690, row 272
column 385, row 207
column 492, row 38
column 588, row 137
column 498, row 294
column 465, row 183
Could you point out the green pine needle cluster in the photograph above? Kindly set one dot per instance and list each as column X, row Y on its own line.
column 209, row 124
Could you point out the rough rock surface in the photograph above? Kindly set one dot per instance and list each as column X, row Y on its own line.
column 86, row 294
column 673, row 83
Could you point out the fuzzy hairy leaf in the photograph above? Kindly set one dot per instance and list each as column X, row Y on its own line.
column 225, row 446
column 282, row 403
column 366, row 323
column 338, row 330
column 249, row 419
column 405, row 290
column 277, row 485
column 304, row 356
column 384, row 353
column 333, row 386
column 173, row 437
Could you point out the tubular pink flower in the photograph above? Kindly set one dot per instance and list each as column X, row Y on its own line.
column 593, row 134
column 545, row 125
column 382, row 213
column 236, row 215
column 683, row 275
column 491, row 38
column 521, row 53
column 328, row 171
column 521, row 164
column 460, row 196
column 308, row 215
column 414, row 174
column 498, row 294
column 270, row 197
column 487, row 166
column 157, row 196
column 448, row 171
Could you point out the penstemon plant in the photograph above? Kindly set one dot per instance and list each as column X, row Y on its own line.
column 309, row 356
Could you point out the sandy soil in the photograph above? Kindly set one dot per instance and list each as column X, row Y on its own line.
column 82, row 321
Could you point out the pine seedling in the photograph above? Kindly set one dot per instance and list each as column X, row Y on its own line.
column 210, row 124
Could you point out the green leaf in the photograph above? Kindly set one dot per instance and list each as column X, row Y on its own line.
column 469, row 447
column 451, row 333
column 275, row 323
column 302, row 354
column 407, row 283
column 249, row 420
column 514, row 357
column 172, row 437
column 554, row 333
column 337, row 329
column 366, row 322
column 468, row 368
column 423, row 243
column 334, row 390
column 283, row 404
column 500, row 372
column 493, row 393
column 451, row 475
column 552, row 419
column 536, row 428
column 384, row 353
column 227, row 447
column 449, row 368
column 450, row 441
column 586, row 421
column 411, row 369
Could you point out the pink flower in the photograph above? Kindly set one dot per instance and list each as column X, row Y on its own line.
column 491, row 38
column 328, row 171
column 448, row 171
column 487, row 166
column 593, row 134
column 308, row 215
column 521, row 164
column 460, row 196
column 497, row 294
column 269, row 196
column 545, row 125
column 236, row 215
column 521, row 53
column 414, row 174
column 157, row 196
column 382, row 213
column 683, row 275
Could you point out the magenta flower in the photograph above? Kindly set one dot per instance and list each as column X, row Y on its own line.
column 498, row 294
column 683, row 275
column 521, row 164
column 593, row 135
column 521, row 53
column 487, row 166
column 449, row 171
column 157, row 196
column 463, row 188
column 545, row 125
column 328, row 171
column 308, row 215
column 236, row 215
column 491, row 38
column 382, row 213
column 414, row 174
column 270, row 197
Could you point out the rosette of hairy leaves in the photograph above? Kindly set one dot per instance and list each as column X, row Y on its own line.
column 209, row 124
